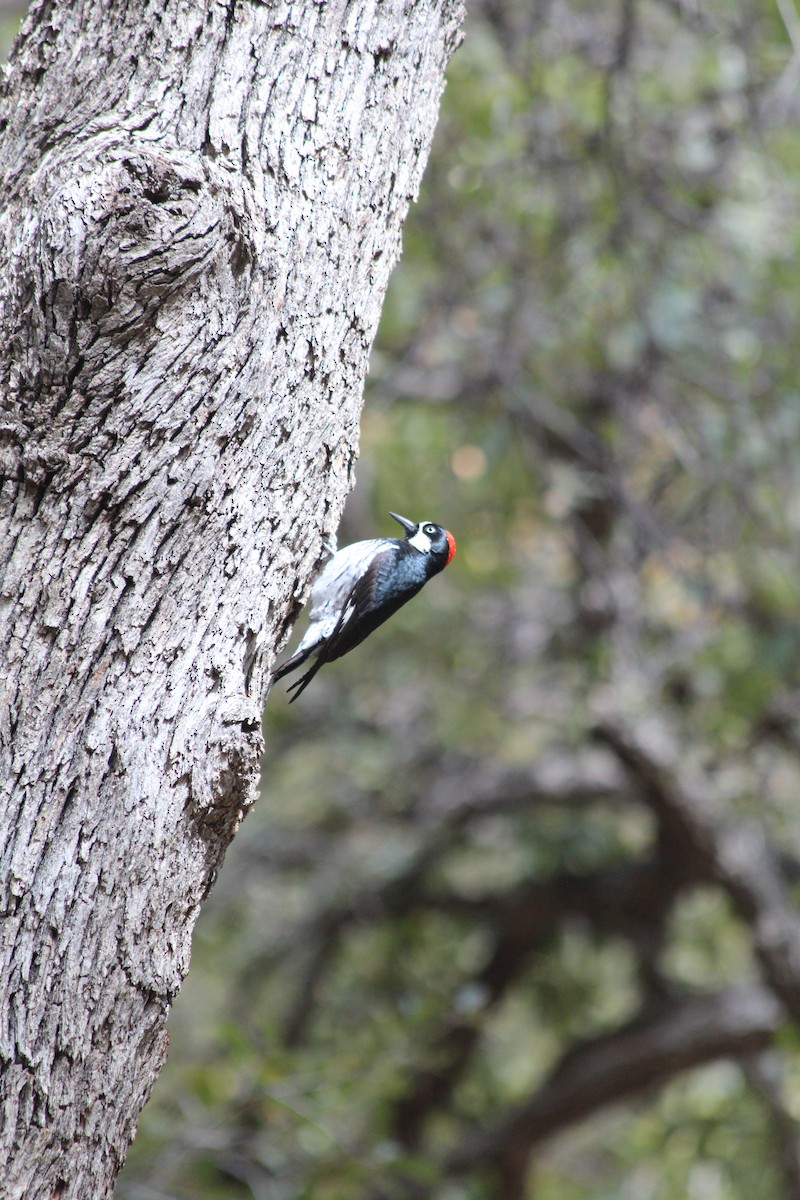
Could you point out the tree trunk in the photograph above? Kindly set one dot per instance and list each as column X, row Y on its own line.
column 201, row 206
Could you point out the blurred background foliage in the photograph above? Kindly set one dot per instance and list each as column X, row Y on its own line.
column 485, row 934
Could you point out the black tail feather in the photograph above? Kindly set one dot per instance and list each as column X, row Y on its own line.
column 302, row 683
column 296, row 660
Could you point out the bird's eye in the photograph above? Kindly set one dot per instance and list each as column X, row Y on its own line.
column 429, row 530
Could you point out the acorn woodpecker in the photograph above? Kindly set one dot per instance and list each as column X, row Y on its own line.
column 361, row 586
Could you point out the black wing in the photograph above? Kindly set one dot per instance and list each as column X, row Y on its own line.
column 363, row 611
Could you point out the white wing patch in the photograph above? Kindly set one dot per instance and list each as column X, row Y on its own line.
column 332, row 587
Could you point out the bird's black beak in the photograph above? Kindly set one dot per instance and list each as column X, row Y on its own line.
column 409, row 526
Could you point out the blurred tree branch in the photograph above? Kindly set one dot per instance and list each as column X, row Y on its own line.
column 646, row 1051
column 735, row 855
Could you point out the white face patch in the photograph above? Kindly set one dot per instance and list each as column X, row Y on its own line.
column 420, row 541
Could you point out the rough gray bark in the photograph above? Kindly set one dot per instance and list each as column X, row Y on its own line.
column 201, row 206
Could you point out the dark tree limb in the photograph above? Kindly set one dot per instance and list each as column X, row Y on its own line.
column 648, row 1051
column 738, row 857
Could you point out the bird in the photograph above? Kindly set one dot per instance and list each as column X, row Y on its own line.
column 361, row 586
